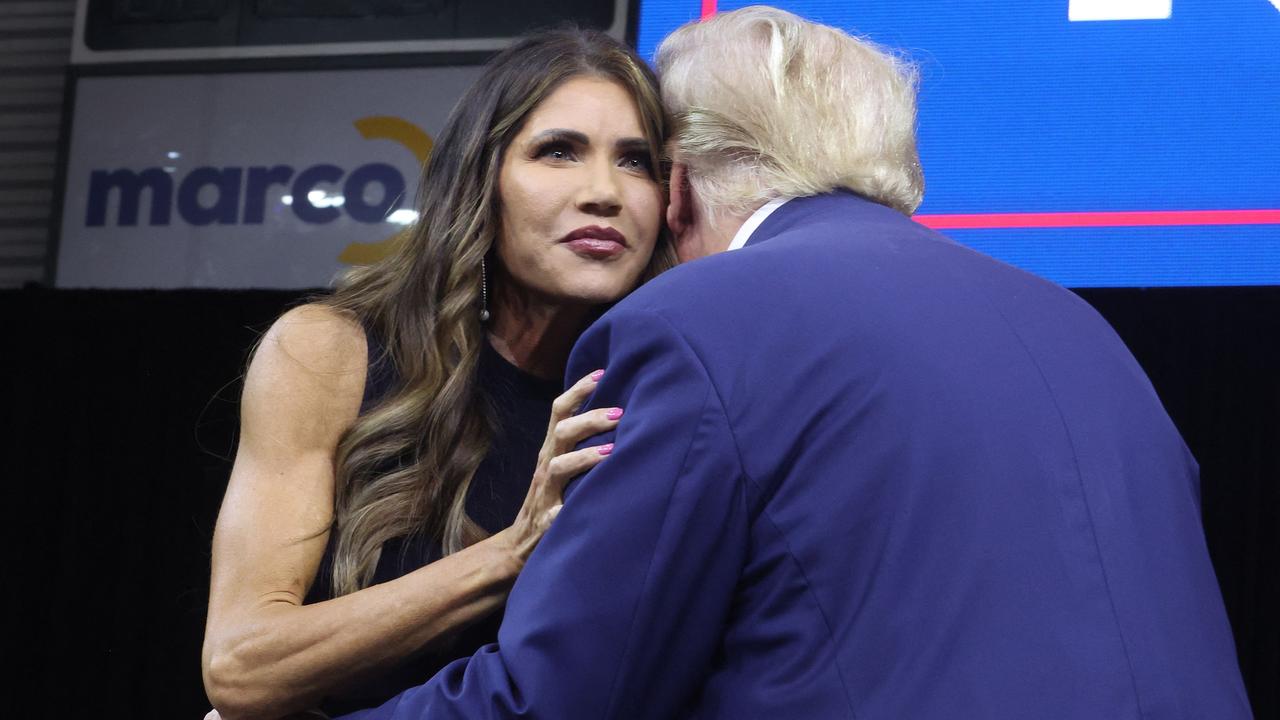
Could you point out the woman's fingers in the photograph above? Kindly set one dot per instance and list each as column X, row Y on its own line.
column 573, row 398
column 569, row 432
column 556, row 467
column 572, row 464
column 546, row 495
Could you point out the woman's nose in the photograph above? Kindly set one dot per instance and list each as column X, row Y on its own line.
column 600, row 194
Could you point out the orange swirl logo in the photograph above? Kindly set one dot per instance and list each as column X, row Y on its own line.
column 416, row 141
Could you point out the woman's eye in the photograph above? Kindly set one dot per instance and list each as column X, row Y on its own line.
column 555, row 151
column 637, row 161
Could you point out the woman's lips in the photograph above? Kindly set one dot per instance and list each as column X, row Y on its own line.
column 595, row 241
column 595, row 247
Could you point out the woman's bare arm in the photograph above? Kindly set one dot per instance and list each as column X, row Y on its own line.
column 265, row 653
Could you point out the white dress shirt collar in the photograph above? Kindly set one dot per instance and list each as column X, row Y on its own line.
column 744, row 233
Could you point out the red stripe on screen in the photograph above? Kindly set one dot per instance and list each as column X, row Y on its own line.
column 708, row 8
column 1133, row 218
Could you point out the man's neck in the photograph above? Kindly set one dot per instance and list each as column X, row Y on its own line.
column 710, row 234
column 726, row 228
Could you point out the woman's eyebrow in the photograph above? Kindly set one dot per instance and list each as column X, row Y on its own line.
column 573, row 136
column 632, row 144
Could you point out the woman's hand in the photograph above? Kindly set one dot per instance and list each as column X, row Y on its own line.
column 558, row 463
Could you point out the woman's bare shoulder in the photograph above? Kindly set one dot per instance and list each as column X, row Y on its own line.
column 312, row 361
column 320, row 338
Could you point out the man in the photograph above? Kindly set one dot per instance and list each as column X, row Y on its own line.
column 864, row 472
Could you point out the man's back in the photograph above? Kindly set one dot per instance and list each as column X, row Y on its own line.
column 964, row 498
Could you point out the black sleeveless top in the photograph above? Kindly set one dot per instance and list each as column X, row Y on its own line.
column 521, row 405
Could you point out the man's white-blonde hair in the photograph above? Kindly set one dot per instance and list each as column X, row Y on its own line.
column 769, row 105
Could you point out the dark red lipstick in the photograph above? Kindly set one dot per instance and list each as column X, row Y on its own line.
column 595, row 241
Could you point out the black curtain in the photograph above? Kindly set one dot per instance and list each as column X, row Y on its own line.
column 1213, row 354
column 120, row 420
column 119, row 426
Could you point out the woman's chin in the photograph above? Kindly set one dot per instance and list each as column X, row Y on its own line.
column 597, row 294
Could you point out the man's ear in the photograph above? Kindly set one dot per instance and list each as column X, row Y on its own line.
column 680, row 208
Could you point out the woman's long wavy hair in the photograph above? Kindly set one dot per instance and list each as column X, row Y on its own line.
column 404, row 466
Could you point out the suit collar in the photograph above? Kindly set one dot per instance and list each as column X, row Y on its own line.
column 850, row 207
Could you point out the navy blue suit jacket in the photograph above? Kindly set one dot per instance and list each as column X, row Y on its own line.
column 864, row 472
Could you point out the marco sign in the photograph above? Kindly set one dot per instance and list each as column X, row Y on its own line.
column 272, row 180
column 240, row 195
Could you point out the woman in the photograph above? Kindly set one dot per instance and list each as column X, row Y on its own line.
column 389, row 431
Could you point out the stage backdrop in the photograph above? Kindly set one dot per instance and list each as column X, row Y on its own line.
column 264, row 143
column 244, row 180
column 1094, row 142
column 1098, row 143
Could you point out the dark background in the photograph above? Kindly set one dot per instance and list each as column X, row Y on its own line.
column 148, row 24
column 120, row 422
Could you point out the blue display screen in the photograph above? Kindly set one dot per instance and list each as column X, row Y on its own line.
column 1098, row 143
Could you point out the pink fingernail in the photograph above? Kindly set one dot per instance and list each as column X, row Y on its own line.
column 605, row 449
column 597, row 375
column 614, row 414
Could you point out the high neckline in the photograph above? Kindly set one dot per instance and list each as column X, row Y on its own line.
column 492, row 361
